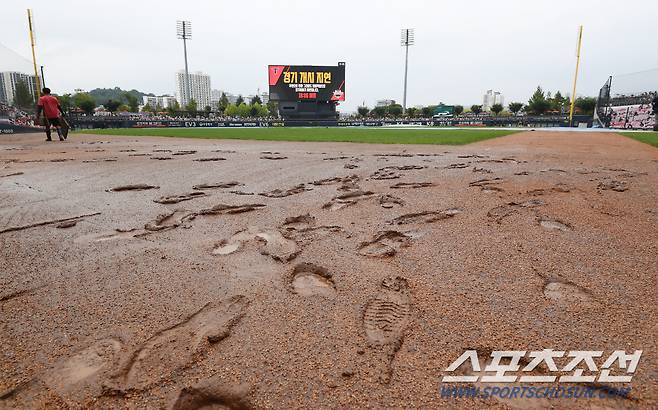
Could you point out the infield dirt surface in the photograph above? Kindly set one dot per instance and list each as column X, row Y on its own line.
column 173, row 273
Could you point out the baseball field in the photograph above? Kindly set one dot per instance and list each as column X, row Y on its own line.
column 248, row 269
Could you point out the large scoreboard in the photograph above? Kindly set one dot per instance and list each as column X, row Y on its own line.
column 307, row 82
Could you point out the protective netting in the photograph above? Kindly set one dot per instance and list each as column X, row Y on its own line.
column 10, row 60
column 635, row 84
column 624, row 101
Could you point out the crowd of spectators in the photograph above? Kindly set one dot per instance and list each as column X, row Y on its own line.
column 15, row 116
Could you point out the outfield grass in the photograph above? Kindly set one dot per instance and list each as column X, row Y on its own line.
column 650, row 138
column 362, row 135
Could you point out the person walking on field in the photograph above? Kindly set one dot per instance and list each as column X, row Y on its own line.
column 49, row 105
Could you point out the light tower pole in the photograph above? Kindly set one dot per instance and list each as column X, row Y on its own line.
column 406, row 40
column 184, row 32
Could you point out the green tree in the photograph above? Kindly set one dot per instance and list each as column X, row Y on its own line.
column 85, row 102
column 379, row 111
column 243, row 110
column 428, row 111
column 173, row 108
column 239, row 101
column 147, row 108
column 476, row 109
column 515, row 107
column 124, row 108
column 158, row 108
column 66, row 102
column 223, row 103
column 395, row 110
column 112, row 106
column 191, row 107
column 363, row 111
column 23, row 98
column 538, row 104
column 496, row 109
column 586, row 105
column 231, row 110
column 254, row 109
column 412, row 112
column 273, row 108
column 458, row 110
column 558, row 102
column 207, row 109
column 256, row 100
column 133, row 101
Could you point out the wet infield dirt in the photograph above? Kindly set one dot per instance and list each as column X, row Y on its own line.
column 351, row 276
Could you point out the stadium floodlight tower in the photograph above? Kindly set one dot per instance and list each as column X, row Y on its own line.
column 184, row 32
column 406, row 40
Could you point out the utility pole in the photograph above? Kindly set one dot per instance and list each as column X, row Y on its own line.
column 406, row 40
column 184, row 32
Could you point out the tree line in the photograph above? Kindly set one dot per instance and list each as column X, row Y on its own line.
column 540, row 103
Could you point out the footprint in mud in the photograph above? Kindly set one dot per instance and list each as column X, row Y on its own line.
column 84, row 369
column 185, row 152
column 425, row 217
column 501, row 212
column 126, row 150
column 273, row 157
column 385, row 320
column 554, row 224
column 117, row 234
column 566, row 293
column 169, row 220
column 174, row 199
column 403, row 185
column 471, row 156
column 230, row 209
column 161, row 158
column 389, row 201
column 214, row 185
column 210, row 159
column 298, row 222
column 303, row 236
column 386, row 173
column 67, row 224
column 281, row 193
column 213, row 393
column 312, row 280
column 384, row 244
column 140, row 155
column 328, row 181
column 161, row 150
column 350, row 166
column 482, row 170
column 180, row 346
column 241, row 193
column 613, row 185
column 271, row 242
column 487, row 185
column 458, row 165
column 133, row 187
column 350, row 198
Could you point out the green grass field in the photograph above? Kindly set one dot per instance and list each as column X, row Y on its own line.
column 362, row 135
column 650, row 138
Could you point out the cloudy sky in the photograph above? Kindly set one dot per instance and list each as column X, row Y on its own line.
column 462, row 48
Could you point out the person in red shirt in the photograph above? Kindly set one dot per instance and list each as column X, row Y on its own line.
column 49, row 105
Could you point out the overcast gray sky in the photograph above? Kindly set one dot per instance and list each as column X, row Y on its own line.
column 462, row 48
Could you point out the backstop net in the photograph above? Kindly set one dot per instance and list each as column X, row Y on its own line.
column 624, row 101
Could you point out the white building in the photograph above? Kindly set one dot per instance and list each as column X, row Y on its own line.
column 164, row 101
column 8, row 80
column 199, row 88
column 384, row 103
column 491, row 98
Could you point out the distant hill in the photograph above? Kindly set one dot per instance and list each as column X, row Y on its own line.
column 102, row 95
